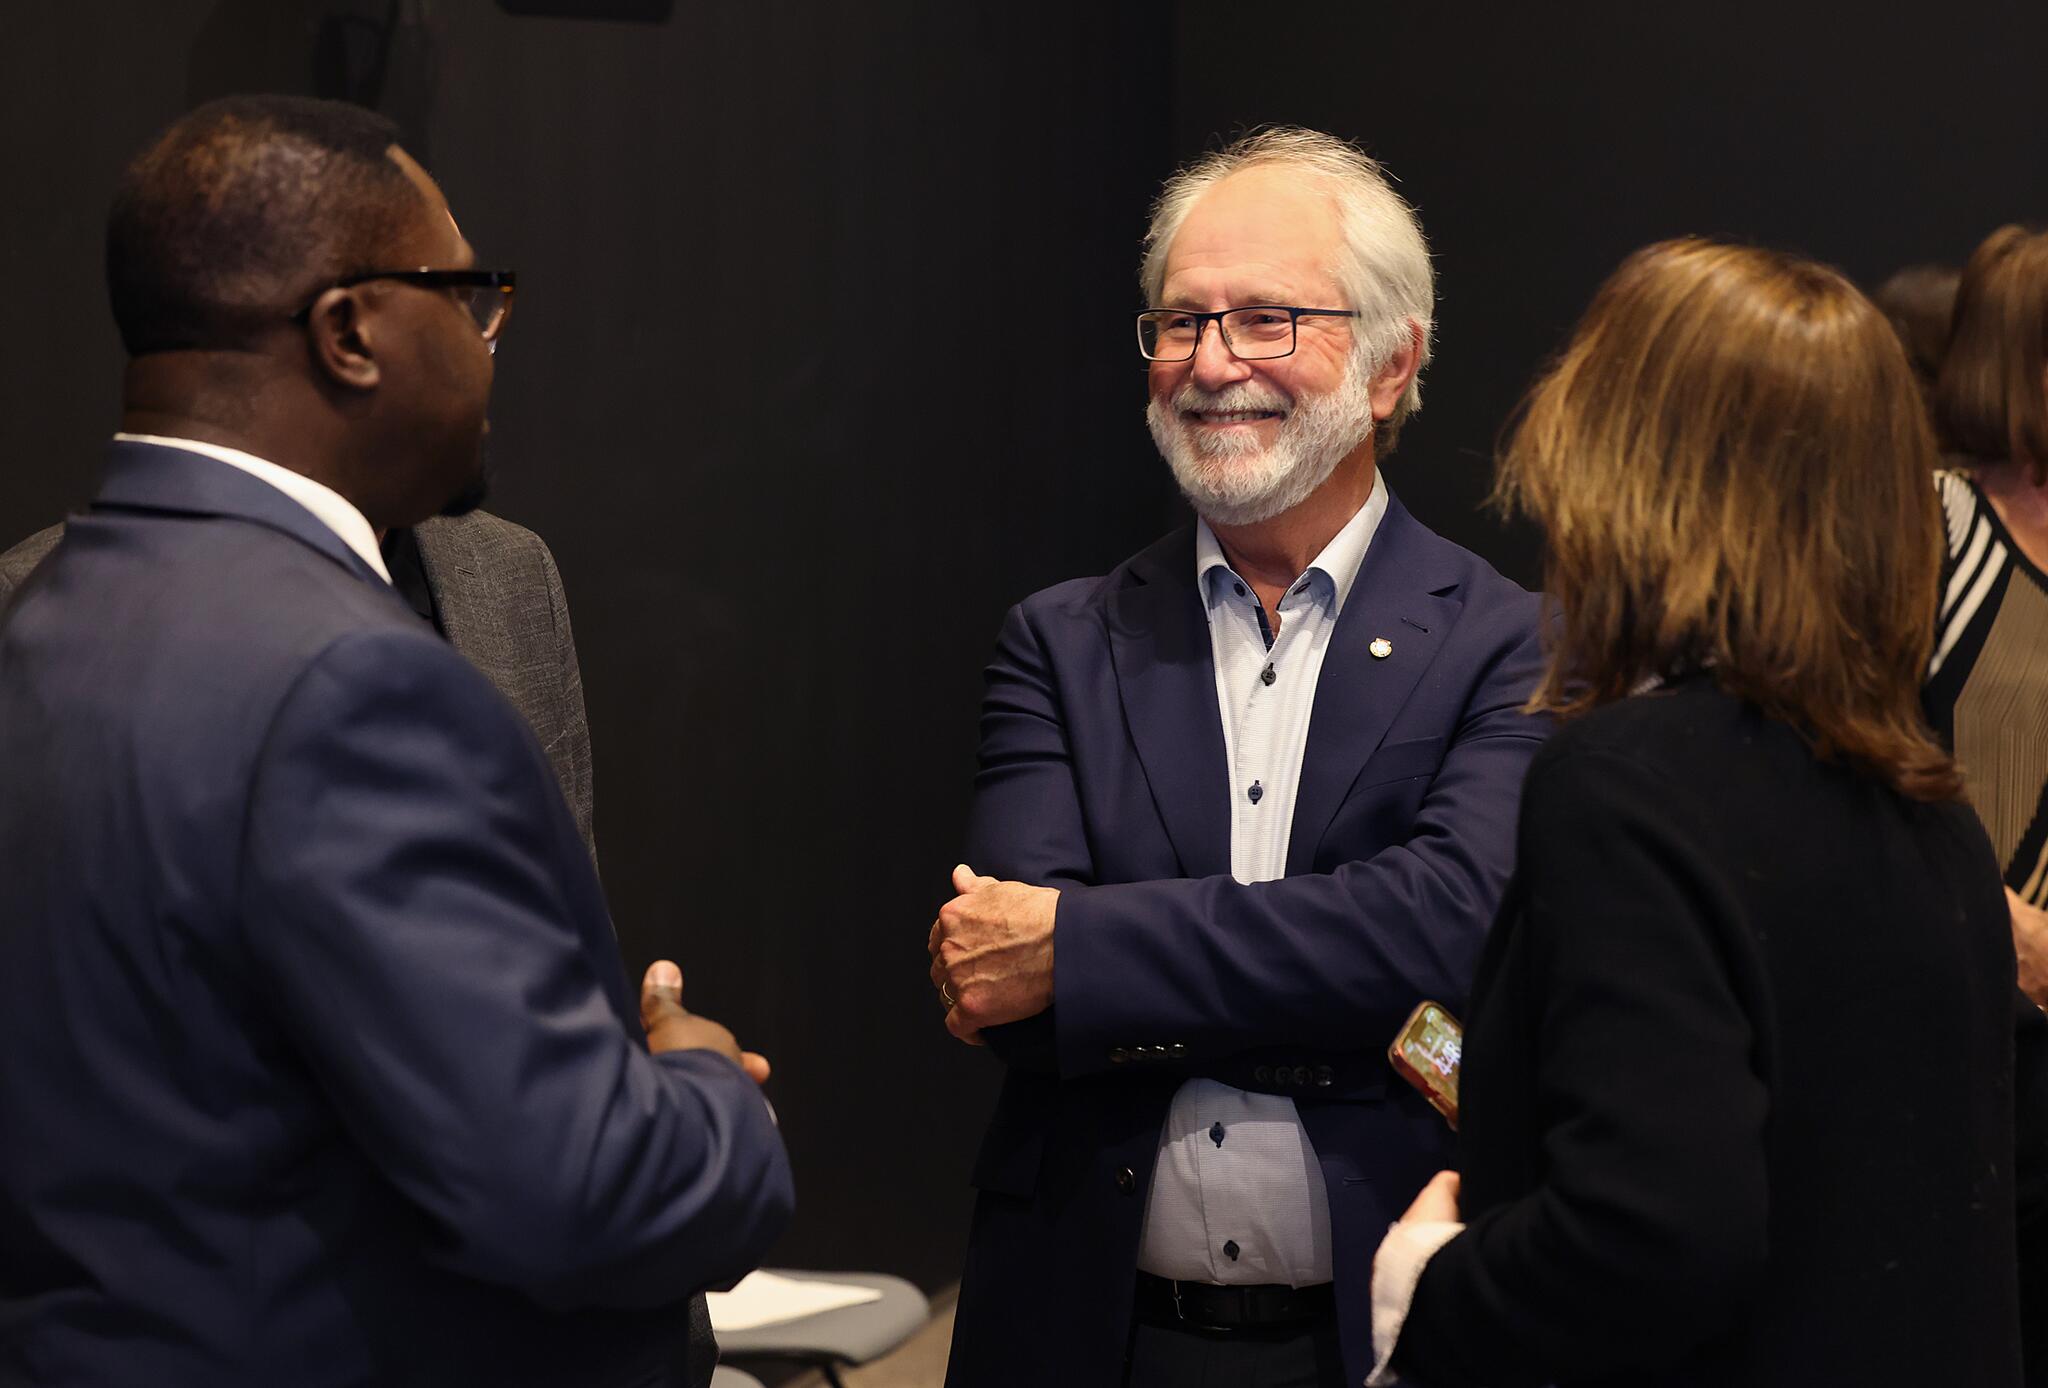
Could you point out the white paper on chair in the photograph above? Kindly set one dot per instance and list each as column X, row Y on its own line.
column 762, row 1298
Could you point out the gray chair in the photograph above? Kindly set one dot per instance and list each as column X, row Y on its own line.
column 829, row 1340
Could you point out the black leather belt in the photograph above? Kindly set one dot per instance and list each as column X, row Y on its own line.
column 1206, row 1306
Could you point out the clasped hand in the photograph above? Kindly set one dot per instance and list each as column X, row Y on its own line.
column 1437, row 1203
column 991, row 951
column 673, row 1027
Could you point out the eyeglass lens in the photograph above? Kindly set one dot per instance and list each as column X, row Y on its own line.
column 488, row 305
column 1251, row 333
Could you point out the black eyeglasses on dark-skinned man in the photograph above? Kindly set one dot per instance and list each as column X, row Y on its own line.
column 487, row 296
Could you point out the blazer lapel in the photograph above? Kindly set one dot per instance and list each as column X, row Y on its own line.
column 461, row 600
column 1406, row 597
column 149, row 477
column 474, row 607
column 1166, row 679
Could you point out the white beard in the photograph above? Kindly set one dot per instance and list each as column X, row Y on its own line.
column 1228, row 478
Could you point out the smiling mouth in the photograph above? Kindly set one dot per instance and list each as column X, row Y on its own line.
column 1231, row 416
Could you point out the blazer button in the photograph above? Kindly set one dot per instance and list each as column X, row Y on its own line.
column 1177, row 1051
column 1325, row 1077
column 1118, row 1055
column 1126, row 1180
column 1263, row 1075
column 1302, row 1074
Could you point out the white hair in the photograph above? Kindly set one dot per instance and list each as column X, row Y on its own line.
column 1384, row 267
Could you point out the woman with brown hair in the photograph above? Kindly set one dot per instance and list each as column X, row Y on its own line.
column 1987, row 684
column 1737, row 1088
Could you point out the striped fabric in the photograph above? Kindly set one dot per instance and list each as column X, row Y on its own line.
column 1987, row 681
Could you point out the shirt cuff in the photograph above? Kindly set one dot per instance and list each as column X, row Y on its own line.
column 1396, row 1268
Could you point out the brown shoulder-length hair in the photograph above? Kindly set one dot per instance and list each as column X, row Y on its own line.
column 1991, row 399
column 1730, row 462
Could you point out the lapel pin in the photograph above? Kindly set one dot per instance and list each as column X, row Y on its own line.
column 1381, row 648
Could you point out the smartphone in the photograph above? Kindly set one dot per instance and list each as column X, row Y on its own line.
column 1426, row 1052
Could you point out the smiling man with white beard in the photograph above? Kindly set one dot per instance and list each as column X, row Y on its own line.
column 1259, row 784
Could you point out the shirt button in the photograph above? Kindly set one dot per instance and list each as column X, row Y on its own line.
column 1266, row 676
column 1216, row 1133
column 1126, row 1180
column 1230, row 1249
column 1256, row 793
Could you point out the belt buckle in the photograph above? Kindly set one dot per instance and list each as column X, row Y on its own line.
column 1178, row 1313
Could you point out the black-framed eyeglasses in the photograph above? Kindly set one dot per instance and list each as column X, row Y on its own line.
column 1257, row 332
column 487, row 294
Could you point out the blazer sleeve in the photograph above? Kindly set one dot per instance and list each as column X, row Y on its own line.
column 1651, row 1218
column 1330, row 960
column 1025, row 824
column 411, row 892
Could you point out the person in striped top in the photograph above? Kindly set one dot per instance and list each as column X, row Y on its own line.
column 1987, row 685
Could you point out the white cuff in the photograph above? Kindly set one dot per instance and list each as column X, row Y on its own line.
column 1396, row 1268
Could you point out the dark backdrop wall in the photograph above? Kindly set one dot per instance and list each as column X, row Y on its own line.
column 821, row 359
column 1543, row 143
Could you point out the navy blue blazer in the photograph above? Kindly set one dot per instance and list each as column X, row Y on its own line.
column 1103, row 774
column 318, row 1063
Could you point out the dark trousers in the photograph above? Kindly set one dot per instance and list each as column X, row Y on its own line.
column 1183, row 1357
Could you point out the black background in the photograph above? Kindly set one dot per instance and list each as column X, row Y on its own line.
column 822, row 358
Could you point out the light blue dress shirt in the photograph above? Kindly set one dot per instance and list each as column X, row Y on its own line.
column 1237, row 1195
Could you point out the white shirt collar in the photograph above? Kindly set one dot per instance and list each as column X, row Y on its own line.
column 328, row 506
column 1340, row 559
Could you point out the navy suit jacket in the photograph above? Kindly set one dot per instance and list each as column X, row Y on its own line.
column 1103, row 774
column 318, row 1063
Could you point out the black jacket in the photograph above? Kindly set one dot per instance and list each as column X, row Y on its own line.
column 1738, row 1086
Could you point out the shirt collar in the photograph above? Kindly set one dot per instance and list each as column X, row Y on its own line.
column 1339, row 561
column 328, row 506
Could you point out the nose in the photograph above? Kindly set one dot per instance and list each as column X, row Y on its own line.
column 1215, row 365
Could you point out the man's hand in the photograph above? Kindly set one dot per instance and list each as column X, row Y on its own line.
column 991, row 950
column 672, row 1028
column 1438, row 1202
column 2030, row 943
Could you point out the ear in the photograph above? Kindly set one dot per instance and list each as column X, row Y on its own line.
column 1391, row 380
column 341, row 336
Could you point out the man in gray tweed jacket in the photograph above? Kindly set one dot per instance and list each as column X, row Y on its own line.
column 492, row 589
